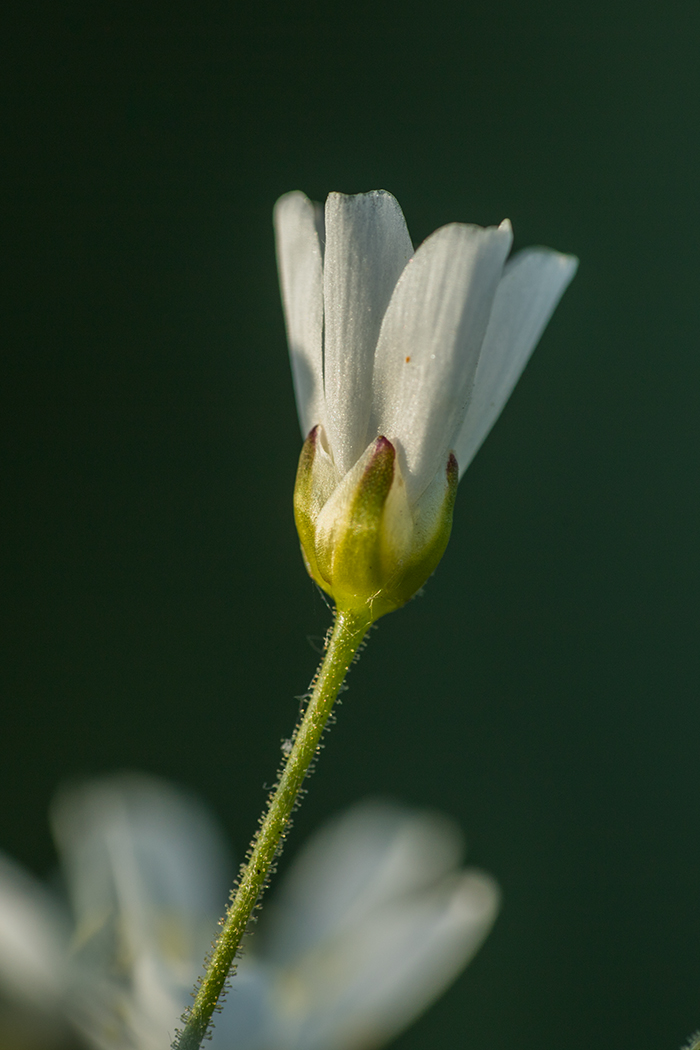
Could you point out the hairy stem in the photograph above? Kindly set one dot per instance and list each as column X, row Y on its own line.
column 348, row 631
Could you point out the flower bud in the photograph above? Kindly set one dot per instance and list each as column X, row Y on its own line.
column 363, row 541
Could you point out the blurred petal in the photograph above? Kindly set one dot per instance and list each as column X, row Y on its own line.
column 430, row 342
column 369, row 856
column 366, row 985
column 33, row 939
column 247, row 1019
column 532, row 285
column 145, row 866
column 300, row 262
column 372, row 924
column 367, row 247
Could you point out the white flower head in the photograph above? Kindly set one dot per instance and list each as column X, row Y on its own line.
column 374, row 920
column 402, row 362
column 144, row 869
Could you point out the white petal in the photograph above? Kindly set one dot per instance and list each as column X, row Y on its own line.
column 300, row 263
column 33, row 939
column 367, row 247
column 430, row 342
column 371, row 855
column 248, row 1015
column 145, row 868
column 532, row 285
column 122, row 1011
column 361, row 988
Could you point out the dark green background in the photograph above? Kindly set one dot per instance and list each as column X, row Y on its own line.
column 155, row 612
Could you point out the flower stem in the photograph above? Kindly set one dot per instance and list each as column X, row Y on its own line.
column 348, row 631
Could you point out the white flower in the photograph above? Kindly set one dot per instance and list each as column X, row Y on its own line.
column 373, row 921
column 143, row 866
column 419, row 348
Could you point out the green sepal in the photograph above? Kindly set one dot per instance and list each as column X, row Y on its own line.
column 309, row 499
column 350, row 553
column 433, row 526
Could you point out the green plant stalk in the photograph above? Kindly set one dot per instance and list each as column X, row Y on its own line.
column 348, row 631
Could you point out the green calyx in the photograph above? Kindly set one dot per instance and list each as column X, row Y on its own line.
column 362, row 541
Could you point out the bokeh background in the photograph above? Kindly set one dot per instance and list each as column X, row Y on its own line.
column 155, row 611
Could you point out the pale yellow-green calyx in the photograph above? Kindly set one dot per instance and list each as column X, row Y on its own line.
column 363, row 541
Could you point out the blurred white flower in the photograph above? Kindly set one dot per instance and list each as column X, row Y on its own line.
column 372, row 923
column 402, row 354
